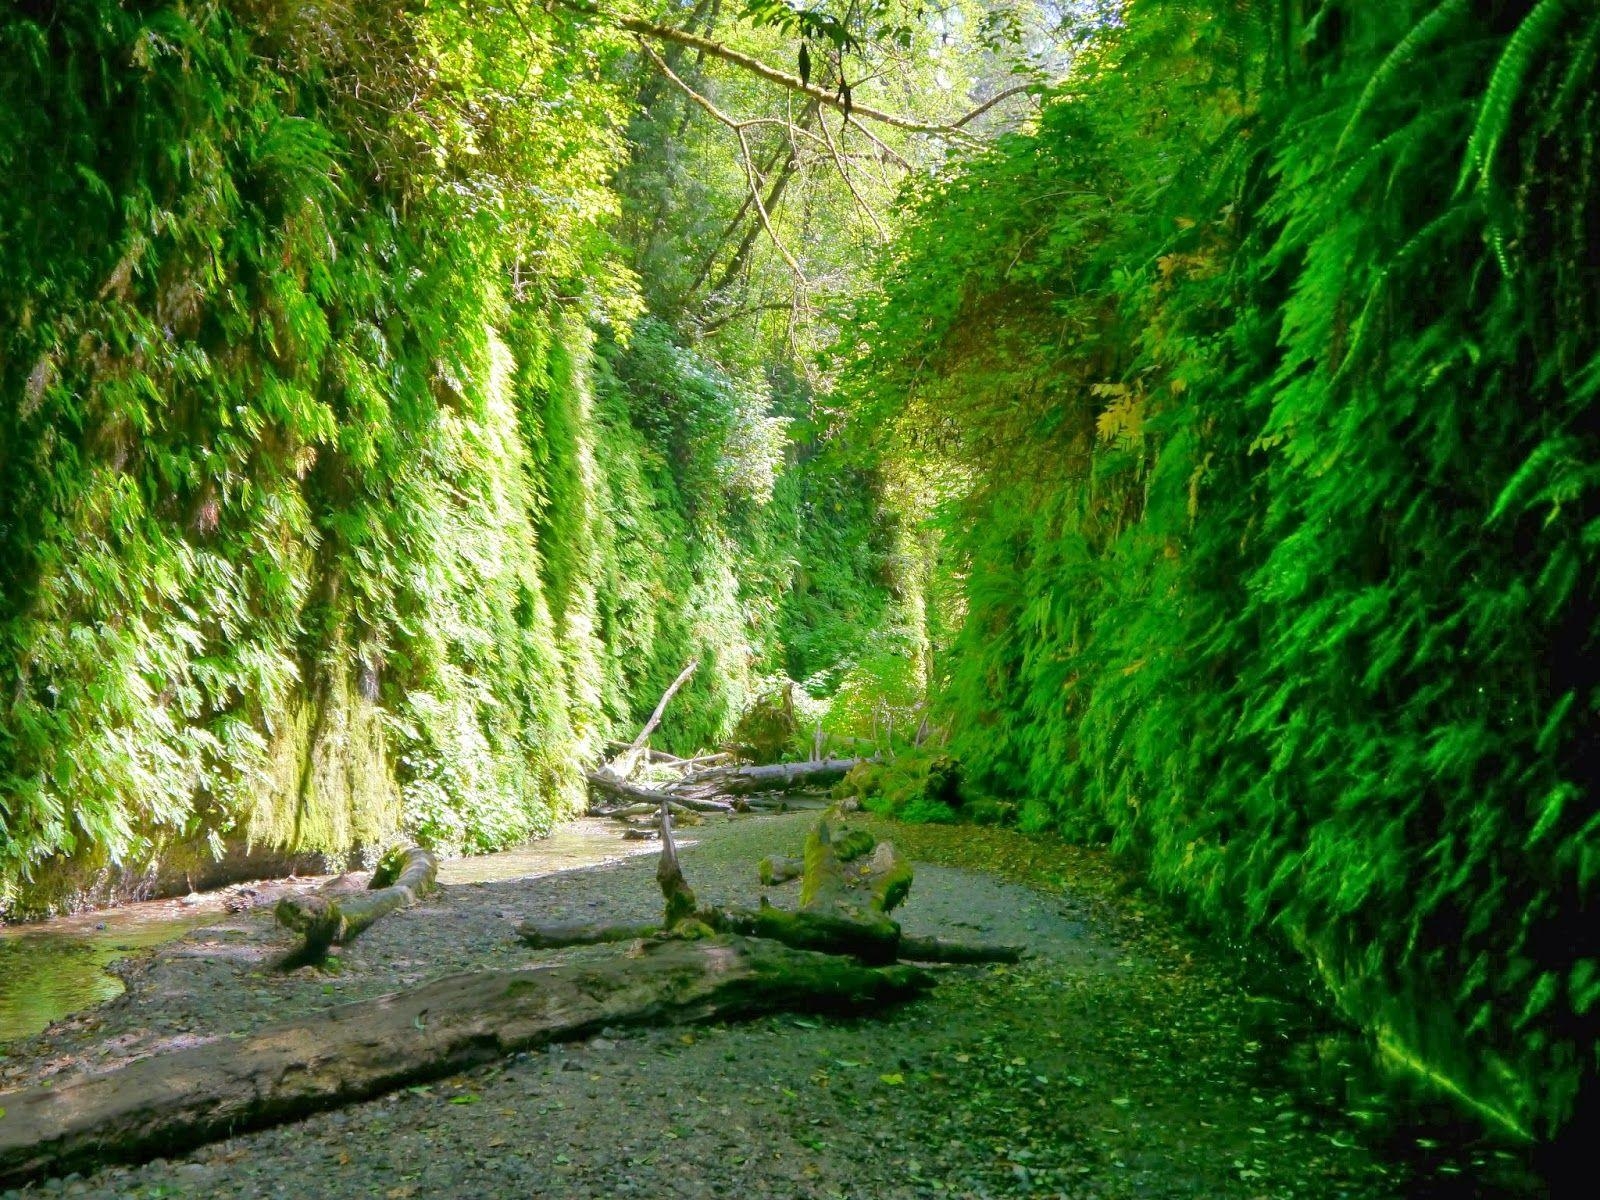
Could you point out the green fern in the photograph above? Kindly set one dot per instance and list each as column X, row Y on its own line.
column 1510, row 77
column 1579, row 70
column 1433, row 26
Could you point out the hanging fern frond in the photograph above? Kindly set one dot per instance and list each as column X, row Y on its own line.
column 1405, row 52
column 1581, row 67
column 1506, row 85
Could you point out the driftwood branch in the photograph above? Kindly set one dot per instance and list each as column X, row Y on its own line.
column 623, row 765
column 336, row 915
column 636, row 799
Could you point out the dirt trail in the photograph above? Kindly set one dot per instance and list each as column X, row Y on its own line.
column 1120, row 1061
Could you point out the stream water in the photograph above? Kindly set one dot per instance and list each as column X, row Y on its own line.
column 54, row 968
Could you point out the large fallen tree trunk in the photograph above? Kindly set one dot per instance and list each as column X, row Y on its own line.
column 772, row 777
column 334, row 916
column 172, row 1102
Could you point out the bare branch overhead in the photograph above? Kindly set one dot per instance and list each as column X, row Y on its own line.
column 851, row 108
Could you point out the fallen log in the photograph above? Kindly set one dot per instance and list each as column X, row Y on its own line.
column 701, row 804
column 874, row 941
column 172, row 1102
column 629, row 794
column 622, row 813
column 580, row 933
column 774, row 777
column 331, row 918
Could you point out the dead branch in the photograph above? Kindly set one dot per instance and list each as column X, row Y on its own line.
column 622, row 766
column 333, row 916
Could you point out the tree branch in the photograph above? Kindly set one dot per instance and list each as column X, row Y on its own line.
column 738, row 128
column 1004, row 94
column 844, row 174
column 666, row 33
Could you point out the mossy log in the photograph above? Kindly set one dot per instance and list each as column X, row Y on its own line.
column 172, row 1102
column 858, row 935
column 850, row 870
column 333, row 917
column 871, row 942
column 580, row 933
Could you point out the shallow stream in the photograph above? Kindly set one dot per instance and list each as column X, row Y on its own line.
column 54, row 968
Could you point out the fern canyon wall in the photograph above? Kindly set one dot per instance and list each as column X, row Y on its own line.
column 1190, row 450
column 1262, row 382
column 325, row 512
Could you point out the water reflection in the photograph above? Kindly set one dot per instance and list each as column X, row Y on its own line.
column 53, row 969
column 56, row 968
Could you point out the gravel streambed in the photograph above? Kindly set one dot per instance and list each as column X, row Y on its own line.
column 1117, row 1061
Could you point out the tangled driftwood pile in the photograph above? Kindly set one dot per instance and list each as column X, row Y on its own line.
column 691, row 787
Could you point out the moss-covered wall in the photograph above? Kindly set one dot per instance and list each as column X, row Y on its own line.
column 326, row 516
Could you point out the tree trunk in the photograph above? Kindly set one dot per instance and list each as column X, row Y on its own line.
column 580, row 933
column 774, row 777
column 172, row 1102
column 333, row 917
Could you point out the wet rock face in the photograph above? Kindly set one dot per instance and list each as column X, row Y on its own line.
column 63, row 886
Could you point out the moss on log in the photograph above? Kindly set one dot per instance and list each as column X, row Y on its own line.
column 776, row 869
column 172, row 1102
column 580, row 933
column 331, row 917
column 862, row 936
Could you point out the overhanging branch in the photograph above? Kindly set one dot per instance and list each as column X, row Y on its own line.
column 746, row 62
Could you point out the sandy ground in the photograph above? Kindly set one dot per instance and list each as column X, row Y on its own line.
column 1120, row 1060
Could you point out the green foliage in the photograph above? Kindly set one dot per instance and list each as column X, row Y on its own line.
column 767, row 730
column 919, row 785
column 1274, row 498
column 322, row 518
